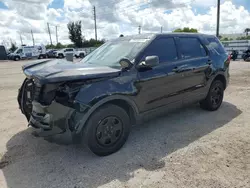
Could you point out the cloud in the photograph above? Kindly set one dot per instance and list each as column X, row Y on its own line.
column 116, row 17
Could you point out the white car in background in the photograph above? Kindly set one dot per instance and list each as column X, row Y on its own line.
column 62, row 53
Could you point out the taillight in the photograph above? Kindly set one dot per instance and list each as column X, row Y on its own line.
column 228, row 59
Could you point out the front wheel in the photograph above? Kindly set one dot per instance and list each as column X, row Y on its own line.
column 214, row 98
column 17, row 58
column 107, row 130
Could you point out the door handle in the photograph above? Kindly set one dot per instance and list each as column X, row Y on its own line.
column 209, row 62
column 176, row 69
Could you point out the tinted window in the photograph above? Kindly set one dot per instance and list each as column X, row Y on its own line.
column 69, row 50
column 191, row 48
column 164, row 48
column 215, row 45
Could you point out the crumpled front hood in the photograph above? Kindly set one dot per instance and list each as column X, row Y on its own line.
column 52, row 71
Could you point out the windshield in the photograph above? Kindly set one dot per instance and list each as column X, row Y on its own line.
column 112, row 52
column 18, row 51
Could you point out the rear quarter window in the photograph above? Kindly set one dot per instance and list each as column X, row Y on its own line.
column 191, row 47
column 215, row 45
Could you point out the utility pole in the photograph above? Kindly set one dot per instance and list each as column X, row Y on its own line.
column 49, row 34
column 161, row 29
column 56, row 35
column 218, row 19
column 32, row 38
column 139, row 29
column 21, row 39
column 95, row 23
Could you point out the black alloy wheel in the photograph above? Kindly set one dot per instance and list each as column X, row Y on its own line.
column 107, row 130
column 214, row 97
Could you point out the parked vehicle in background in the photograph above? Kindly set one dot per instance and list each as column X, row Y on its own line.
column 123, row 82
column 51, row 53
column 246, row 55
column 28, row 52
column 77, row 54
column 234, row 55
column 3, row 53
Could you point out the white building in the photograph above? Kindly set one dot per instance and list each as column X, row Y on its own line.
column 239, row 45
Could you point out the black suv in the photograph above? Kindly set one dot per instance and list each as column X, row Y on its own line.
column 124, row 81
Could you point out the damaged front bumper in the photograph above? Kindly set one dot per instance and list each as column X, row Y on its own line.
column 48, row 117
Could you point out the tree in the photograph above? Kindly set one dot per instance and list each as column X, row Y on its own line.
column 186, row 30
column 13, row 47
column 247, row 30
column 75, row 33
column 59, row 46
column 225, row 39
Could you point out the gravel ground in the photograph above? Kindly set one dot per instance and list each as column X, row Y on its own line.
column 188, row 148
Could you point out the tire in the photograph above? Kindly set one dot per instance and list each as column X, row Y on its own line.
column 82, row 55
column 107, row 120
column 17, row 58
column 215, row 96
column 61, row 56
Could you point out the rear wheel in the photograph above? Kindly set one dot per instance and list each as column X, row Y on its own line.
column 61, row 56
column 214, row 98
column 107, row 130
column 16, row 58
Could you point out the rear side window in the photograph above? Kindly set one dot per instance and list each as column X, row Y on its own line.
column 191, row 48
column 215, row 45
column 69, row 50
column 164, row 48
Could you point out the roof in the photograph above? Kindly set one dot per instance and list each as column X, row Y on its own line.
column 153, row 35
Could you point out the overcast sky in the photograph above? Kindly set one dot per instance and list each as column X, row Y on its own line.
column 115, row 17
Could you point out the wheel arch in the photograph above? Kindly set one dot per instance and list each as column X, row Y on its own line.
column 122, row 101
column 222, row 78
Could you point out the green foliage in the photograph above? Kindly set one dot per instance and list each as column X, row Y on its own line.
column 186, row 30
column 247, row 30
column 75, row 33
column 226, row 39
column 243, row 38
column 49, row 46
column 93, row 43
column 59, row 46
column 13, row 47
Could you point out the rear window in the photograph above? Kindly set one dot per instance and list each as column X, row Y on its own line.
column 191, row 48
column 215, row 45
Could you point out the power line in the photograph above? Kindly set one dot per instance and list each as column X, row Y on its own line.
column 56, row 35
column 32, row 37
column 49, row 34
column 95, row 22
column 21, row 39
column 218, row 19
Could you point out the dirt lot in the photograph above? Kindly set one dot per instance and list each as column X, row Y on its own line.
column 188, row 148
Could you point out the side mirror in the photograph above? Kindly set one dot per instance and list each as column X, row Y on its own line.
column 125, row 63
column 150, row 61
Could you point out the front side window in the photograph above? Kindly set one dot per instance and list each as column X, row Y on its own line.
column 191, row 48
column 164, row 48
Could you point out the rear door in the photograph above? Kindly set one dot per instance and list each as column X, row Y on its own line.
column 196, row 65
column 164, row 84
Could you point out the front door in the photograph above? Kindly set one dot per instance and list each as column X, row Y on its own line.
column 162, row 84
